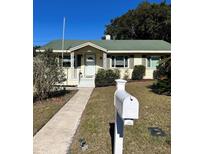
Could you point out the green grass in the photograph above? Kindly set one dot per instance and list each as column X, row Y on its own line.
column 44, row 110
column 96, row 124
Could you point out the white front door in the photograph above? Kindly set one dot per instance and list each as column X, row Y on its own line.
column 89, row 65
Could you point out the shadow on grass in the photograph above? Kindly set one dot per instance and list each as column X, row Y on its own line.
column 57, row 93
column 159, row 90
column 111, row 130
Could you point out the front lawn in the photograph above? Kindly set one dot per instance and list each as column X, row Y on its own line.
column 44, row 110
column 97, row 122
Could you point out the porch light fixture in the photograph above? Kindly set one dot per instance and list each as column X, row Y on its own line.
column 89, row 51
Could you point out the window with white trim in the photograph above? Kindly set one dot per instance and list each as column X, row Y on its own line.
column 120, row 61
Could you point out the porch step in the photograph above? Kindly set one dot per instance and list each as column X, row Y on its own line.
column 87, row 82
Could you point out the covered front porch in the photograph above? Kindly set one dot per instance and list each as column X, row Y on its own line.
column 81, row 65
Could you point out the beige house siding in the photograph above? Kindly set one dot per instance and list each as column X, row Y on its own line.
column 137, row 60
column 149, row 73
column 99, row 64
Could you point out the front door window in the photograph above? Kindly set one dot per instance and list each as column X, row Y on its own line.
column 89, row 65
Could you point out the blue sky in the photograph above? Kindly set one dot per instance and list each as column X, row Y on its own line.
column 85, row 19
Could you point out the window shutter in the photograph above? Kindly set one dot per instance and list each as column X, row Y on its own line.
column 131, row 61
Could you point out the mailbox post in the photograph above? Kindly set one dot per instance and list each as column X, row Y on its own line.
column 126, row 110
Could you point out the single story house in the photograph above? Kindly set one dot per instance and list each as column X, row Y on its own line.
column 83, row 58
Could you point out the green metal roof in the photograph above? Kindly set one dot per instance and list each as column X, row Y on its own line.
column 112, row 44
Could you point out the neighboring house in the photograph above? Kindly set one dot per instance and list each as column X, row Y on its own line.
column 83, row 58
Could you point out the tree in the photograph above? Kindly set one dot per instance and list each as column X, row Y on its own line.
column 147, row 21
column 163, row 76
column 46, row 74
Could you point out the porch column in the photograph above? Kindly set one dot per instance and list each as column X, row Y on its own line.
column 72, row 64
column 104, row 60
column 75, row 64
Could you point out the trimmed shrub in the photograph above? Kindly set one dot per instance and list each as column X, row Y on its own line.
column 106, row 77
column 100, row 78
column 138, row 72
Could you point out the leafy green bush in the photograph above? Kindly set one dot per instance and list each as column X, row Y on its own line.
column 100, row 78
column 106, row 77
column 138, row 72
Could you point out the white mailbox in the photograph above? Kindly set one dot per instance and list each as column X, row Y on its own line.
column 127, row 105
column 126, row 110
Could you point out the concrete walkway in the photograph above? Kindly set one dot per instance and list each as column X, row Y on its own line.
column 56, row 136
